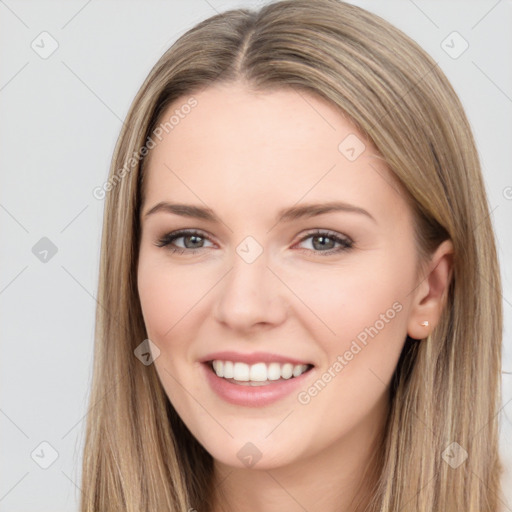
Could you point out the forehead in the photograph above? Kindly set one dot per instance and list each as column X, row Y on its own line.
column 278, row 120
column 264, row 148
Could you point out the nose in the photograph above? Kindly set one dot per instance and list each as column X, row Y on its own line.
column 250, row 296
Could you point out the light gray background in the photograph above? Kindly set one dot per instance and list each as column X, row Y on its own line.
column 60, row 117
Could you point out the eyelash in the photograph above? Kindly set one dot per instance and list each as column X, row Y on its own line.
column 166, row 240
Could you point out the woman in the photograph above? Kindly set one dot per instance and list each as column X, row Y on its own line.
column 299, row 289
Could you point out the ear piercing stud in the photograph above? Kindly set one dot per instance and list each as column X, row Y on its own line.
column 425, row 323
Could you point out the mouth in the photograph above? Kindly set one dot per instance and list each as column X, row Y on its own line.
column 258, row 374
column 256, row 379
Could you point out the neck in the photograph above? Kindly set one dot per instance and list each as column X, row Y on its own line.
column 339, row 478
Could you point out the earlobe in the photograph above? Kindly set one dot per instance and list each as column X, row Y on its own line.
column 430, row 295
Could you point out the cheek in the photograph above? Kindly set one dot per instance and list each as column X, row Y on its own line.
column 360, row 328
column 155, row 298
column 167, row 296
column 359, row 324
column 169, row 301
column 341, row 303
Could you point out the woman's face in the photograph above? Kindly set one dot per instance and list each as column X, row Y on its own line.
column 302, row 256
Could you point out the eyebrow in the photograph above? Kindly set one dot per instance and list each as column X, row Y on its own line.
column 284, row 215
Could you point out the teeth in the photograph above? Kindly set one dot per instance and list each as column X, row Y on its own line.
column 274, row 371
column 228, row 369
column 240, row 371
column 218, row 367
column 287, row 370
column 259, row 372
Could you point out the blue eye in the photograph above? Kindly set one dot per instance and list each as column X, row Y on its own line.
column 322, row 242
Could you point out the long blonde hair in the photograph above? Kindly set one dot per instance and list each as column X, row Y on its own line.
column 139, row 456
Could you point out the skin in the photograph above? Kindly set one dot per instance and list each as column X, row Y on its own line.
column 246, row 155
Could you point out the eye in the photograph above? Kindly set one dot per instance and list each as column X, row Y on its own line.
column 192, row 241
column 321, row 241
column 325, row 241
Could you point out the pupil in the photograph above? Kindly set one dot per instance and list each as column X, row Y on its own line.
column 195, row 238
column 322, row 244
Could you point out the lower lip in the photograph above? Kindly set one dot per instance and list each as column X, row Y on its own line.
column 253, row 396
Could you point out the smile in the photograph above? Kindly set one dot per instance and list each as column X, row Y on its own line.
column 258, row 373
column 255, row 385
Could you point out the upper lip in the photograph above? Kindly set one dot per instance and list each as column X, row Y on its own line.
column 252, row 358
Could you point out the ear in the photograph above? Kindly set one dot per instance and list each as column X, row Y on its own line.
column 430, row 295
